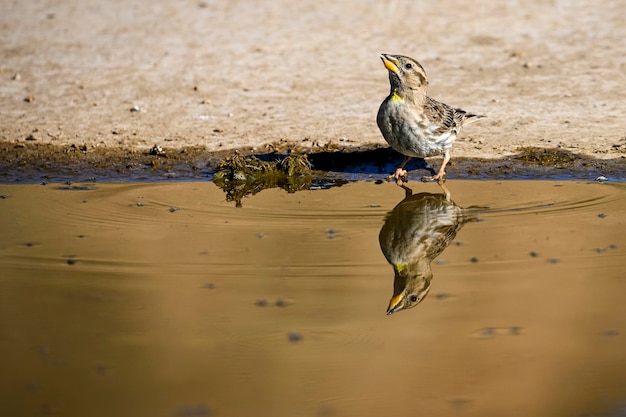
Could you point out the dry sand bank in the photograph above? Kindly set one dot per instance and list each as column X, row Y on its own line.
column 233, row 74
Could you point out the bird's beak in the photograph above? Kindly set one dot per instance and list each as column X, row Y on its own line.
column 391, row 63
column 396, row 304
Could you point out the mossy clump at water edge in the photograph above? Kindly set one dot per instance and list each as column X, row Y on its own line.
column 546, row 156
column 241, row 175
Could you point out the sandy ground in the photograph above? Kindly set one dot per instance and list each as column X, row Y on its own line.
column 229, row 74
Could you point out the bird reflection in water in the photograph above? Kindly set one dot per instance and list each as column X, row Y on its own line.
column 415, row 232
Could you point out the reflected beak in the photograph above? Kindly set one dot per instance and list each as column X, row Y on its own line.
column 391, row 63
column 396, row 304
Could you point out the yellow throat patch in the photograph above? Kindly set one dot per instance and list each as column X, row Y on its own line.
column 395, row 97
column 400, row 267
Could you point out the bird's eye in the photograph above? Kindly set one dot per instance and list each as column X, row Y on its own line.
column 414, row 298
column 408, row 65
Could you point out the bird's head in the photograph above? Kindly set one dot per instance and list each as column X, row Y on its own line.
column 404, row 73
column 411, row 284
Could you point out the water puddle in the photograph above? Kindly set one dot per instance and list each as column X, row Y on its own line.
column 507, row 298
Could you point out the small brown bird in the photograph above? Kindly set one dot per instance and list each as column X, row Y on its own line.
column 413, row 123
column 415, row 232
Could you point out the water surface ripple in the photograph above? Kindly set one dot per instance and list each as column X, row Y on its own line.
column 163, row 299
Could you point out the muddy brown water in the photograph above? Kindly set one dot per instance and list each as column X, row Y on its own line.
column 166, row 300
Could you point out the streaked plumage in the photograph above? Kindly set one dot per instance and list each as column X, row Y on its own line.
column 413, row 123
column 415, row 232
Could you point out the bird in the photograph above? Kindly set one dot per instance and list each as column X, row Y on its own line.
column 414, row 233
column 413, row 123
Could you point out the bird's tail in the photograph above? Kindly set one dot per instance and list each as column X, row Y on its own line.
column 471, row 118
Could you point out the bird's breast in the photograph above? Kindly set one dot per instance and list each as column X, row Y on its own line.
column 408, row 131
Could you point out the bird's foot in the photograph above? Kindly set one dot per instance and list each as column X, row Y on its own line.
column 399, row 176
column 440, row 178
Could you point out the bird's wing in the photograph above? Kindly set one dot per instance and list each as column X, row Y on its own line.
column 444, row 116
column 448, row 118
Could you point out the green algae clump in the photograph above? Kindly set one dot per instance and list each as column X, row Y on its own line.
column 241, row 175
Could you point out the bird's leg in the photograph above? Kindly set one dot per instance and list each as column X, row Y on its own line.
column 445, row 190
column 400, row 172
column 441, row 173
column 407, row 191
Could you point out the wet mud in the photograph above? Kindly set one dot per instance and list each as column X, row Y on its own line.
column 34, row 162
